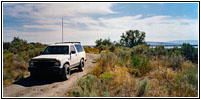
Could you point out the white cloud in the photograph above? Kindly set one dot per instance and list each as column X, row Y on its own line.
column 59, row 9
column 83, row 20
column 47, row 27
column 157, row 28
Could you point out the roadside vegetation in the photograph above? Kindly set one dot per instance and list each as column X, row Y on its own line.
column 130, row 68
column 16, row 56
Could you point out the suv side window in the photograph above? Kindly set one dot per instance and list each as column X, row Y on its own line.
column 72, row 49
column 79, row 48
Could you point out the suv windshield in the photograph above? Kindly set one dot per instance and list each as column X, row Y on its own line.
column 56, row 50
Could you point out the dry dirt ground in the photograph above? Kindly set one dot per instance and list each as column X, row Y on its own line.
column 47, row 88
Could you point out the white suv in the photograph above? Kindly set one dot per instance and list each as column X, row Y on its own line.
column 58, row 59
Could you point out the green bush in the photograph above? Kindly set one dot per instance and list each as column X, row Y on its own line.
column 91, row 86
column 186, row 82
column 175, row 61
column 140, row 49
column 141, row 64
column 87, row 87
column 10, row 73
column 112, row 47
column 108, row 60
column 189, row 52
column 106, row 77
column 175, row 50
column 144, row 87
column 5, row 76
column 195, row 57
column 101, row 47
column 104, row 42
column 157, row 51
column 123, row 55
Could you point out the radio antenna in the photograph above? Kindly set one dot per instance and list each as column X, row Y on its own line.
column 62, row 29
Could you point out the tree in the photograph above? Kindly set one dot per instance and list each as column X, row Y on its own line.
column 189, row 52
column 18, row 40
column 6, row 45
column 132, row 38
column 105, row 42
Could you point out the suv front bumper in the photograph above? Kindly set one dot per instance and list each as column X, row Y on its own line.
column 47, row 71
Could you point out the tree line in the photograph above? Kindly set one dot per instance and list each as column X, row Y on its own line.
column 132, row 38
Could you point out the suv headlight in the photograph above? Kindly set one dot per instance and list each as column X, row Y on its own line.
column 57, row 63
column 31, row 63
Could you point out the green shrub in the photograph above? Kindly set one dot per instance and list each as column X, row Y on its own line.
column 108, row 60
column 91, row 86
column 175, row 50
column 189, row 52
column 112, row 48
column 195, row 57
column 140, row 49
column 106, row 94
column 186, row 82
column 106, row 77
column 104, row 42
column 123, row 55
column 10, row 73
column 175, row 61
column 102, row 47
column 5, row 76
column 141, row 64
column 87, row 87
column 144, row 87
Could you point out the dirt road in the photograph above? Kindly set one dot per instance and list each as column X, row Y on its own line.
column 46, row 88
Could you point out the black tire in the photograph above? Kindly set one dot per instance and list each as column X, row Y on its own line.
column 66, row 72
column 33, row 75
column 81, row 66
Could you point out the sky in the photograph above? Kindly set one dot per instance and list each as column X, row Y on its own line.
column 87, row 22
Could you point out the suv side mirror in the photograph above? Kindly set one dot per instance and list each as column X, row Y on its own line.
column 72, row 52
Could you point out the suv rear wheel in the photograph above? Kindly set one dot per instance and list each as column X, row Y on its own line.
column 81, row 66
column 66, row 72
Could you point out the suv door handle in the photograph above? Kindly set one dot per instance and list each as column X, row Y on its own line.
column 75, row 54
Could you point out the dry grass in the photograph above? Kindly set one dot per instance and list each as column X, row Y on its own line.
column 91, row 50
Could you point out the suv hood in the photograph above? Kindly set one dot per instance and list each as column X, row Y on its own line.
column 58, row 57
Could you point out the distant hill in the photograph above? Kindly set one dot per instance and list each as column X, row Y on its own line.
column 160, row 43
column 175, row 42
column 192, row 42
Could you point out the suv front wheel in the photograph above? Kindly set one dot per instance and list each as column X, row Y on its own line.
column 66, row 72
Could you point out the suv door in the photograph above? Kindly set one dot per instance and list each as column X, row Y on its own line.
column 73, row 55
column 80, row 51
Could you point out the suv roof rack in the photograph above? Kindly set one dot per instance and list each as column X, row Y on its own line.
column 67, row 42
